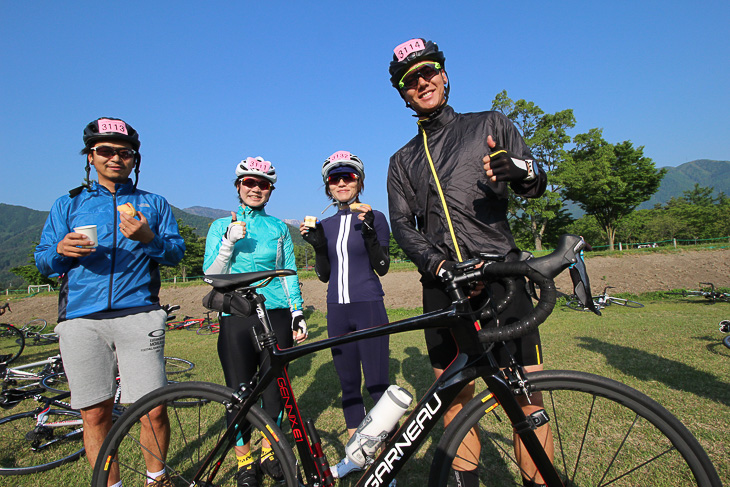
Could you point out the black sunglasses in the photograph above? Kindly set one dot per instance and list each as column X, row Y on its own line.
column 347, row 177
column 108, row 152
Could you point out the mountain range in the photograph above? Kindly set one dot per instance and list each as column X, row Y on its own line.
column 20, row 227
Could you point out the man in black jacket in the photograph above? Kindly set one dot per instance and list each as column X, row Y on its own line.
column 448, row 195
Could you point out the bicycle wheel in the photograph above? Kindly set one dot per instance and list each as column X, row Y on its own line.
column 30, row 448
column 174, row 365
column 56, row 382
column 576, row 305
column 12, row 343
column 603, row 432
column 625, row 302
column 194, row 430
column 35, row 326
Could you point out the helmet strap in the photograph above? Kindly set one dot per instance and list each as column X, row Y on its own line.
column 138, row 161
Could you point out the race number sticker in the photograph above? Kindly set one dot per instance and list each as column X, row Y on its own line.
column 258, row 165
column 106, row 125
column 340, row 155
column 403, row 50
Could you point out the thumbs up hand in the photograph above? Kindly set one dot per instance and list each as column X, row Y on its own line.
column 236, row 230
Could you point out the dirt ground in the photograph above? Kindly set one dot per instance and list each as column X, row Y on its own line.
column 637, row 273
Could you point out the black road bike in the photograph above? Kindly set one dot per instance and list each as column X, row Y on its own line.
column 603, row 432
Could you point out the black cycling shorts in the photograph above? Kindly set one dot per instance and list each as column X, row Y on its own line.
column 442, row 348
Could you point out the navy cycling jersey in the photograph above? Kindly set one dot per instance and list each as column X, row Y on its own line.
column 352, row 278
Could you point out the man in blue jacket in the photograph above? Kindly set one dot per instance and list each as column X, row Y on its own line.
column 109, row 310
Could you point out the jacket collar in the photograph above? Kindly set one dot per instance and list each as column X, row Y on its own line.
column 126, row 187
column 438, row 119
column 250, row 212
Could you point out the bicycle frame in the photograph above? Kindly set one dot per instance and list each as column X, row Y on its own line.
column 19, row 373
column 470, row 363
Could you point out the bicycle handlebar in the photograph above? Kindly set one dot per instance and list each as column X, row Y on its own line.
column 541, row 271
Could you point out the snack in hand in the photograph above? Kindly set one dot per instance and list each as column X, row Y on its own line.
column 360, row 207
column 128, row 209
column 310, row 221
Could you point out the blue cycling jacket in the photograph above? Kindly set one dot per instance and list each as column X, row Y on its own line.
column 122, row 276
column 266, row 246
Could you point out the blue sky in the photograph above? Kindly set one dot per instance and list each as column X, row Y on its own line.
column 208, row 83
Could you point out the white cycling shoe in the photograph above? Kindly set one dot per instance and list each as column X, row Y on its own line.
column 346, row 467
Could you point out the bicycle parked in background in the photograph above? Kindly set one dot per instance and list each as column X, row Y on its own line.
column 604, row 432
column 706, row 290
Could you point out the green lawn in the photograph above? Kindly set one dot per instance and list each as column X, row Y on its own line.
column 671, row 350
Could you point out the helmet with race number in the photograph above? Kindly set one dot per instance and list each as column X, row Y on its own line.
column 256, row 166
column 110, row 129
column 411, row 52
column 342, row 160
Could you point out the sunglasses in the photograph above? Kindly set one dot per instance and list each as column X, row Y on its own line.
column 426, row 70
column 108, row 152
column 347, row 177
column 251, row 183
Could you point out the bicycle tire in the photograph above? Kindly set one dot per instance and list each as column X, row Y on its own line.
column 726, row 341
column 12, row 343
column 175, row 365
column 625, row 302
column 28, row 449
column 57, row 383
column 194, row 431
column 35, row 326
column 207, row 330
column 591, row 447
column 575, row 305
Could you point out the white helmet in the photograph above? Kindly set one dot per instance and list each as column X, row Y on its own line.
column 256, row 167
column 343, row 158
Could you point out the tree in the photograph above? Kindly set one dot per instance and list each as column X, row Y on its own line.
column 192, row 262
column 30, row 273
column 608, row 181
column 546, row 136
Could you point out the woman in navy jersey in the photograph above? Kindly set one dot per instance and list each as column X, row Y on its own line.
column 351, row 250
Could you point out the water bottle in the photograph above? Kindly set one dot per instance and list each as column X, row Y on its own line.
column 378, row 423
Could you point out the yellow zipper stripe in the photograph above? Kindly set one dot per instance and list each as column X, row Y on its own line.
column 441, row 195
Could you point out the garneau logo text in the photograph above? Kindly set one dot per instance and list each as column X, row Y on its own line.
column 411, row 432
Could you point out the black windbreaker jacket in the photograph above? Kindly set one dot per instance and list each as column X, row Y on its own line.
column 478, row 207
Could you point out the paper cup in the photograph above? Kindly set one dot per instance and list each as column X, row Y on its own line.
column 89, row 231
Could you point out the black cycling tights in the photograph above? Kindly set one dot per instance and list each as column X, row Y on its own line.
column 239, row 357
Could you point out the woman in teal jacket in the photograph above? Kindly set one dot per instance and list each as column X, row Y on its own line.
column 250, row 241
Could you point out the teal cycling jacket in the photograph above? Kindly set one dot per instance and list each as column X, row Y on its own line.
column 267, row 245
column 122, row 276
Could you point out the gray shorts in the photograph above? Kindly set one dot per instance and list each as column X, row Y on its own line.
column 94, row 350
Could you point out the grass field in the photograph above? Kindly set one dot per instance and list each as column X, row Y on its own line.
column 671, row 350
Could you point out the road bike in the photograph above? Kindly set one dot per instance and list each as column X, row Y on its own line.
column 601, row 301
column 604, row 432
column 706, row 290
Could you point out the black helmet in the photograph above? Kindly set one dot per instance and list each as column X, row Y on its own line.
column 411, row 52
column 110, row 128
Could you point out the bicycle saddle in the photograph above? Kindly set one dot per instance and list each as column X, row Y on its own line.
column 233, row 281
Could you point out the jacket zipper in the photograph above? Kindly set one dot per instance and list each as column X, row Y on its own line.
column 114, row 250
